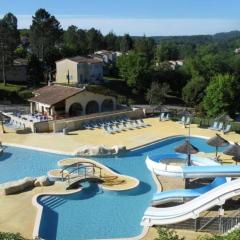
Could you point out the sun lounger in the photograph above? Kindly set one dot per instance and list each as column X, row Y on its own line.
column 182, row 121
column 220, row 127
column 109, row 129
column 130, row 126
column 161, row 117
column 87, row 126
column 187, row 122
column 214, row 126
column 143, row 123
column 136, row 125
column 227, row 129
column 164, row 117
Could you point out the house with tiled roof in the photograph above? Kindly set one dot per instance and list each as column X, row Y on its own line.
column 64, row 101
column 79, row 70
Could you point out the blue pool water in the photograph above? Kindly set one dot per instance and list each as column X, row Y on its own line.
column 92, row 213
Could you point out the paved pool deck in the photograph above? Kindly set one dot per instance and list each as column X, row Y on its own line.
column 17, row 212
column 131, row 138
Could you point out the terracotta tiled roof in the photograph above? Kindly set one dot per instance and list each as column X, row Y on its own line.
column 53, row 94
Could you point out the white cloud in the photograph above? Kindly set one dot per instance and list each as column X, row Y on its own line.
column 140, row 26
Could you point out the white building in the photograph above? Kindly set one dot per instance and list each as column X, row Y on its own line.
column 79, row 70
column 108, row 57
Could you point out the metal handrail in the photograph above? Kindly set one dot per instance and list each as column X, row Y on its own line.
column 231, row 221
column 207, row 223
column 76, row 163
column 78, row 167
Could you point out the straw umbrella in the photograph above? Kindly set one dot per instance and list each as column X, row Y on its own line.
column 233, row 150
column 217, row 141
column 187, row 148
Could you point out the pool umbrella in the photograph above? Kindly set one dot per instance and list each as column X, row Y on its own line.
column 233, row 150
column 217, row 141
column 187, row 148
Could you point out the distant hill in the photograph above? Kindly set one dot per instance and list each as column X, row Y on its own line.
column 225, row 36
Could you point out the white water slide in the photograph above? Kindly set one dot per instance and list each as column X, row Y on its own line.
column 201, row 167
column 191, row 209
column 206, row 197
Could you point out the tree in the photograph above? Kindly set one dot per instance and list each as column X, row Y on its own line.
column 167, row 51
column 145, row 46
column 193, row 92
column 75, row 40
column 95, row 40
column 222, row 95
column 167, row 234
column 45, row 33
column 135, row 70
column 52, row 56
column 35, row 70
column 157, row 93
column 9, row 40
column 111, row 41
column 126, row 43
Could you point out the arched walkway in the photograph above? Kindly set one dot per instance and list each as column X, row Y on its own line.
column 92, row 107
column 75, row 110
column 107, row 105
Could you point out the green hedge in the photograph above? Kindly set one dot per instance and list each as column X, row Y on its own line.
column 15, row 93
column 10, row 236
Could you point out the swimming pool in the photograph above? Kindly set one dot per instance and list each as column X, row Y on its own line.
column 93, row 213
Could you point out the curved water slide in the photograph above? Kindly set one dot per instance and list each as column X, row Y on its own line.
column 159, row 165
column 180, row 195
column 201, row 168
column 191, row 209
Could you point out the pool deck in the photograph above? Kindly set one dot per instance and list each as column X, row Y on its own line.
column 57, row 142
column 17, row 212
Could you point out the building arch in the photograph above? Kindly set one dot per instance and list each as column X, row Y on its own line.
column 75, row 110
column 107, row 105
column 92, row 107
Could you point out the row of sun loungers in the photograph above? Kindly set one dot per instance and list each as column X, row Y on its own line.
column 164, row 117
column 131, row 125
column 218, row 126
column 117, row 125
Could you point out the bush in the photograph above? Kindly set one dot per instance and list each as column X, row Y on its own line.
column 167, row 234
column 235, row 235
column 25, row 94
column 10, row 236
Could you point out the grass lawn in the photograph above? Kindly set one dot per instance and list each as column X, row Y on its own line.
column 15, row 93
column 12, row 87
column 118, row 88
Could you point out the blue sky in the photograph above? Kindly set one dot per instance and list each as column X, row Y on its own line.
column 137, row 17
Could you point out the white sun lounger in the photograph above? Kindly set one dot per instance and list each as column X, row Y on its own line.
column 220, row 127
column 214, row 126
column 227, row 128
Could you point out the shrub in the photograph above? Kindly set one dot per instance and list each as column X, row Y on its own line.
column 167, row 234
column 10, row 236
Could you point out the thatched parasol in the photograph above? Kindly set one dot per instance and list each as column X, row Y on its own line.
column 233, row 150
column 217, row 141
column 187, row 148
